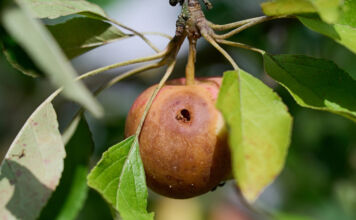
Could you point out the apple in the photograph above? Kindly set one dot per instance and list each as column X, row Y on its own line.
column 183, row 142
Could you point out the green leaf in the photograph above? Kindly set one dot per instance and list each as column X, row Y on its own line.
column 314, row 83
column 260, row 137
column 79, row 35
column 71, row 193
column 119, row 177
column 284, row 216
column 16, row 56
column 337, row 18
column 331, row 11
column 343, row 34
column 42, row 48
column 328, row 9
column 287, row 7
column 55, row 8
column 347, row 15
column 32, row 166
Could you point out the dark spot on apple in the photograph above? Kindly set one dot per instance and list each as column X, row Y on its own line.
column 183, row 115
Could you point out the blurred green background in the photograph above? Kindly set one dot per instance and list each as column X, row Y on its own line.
column 319, row 180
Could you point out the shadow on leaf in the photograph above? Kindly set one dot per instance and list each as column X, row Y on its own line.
column 29, row 195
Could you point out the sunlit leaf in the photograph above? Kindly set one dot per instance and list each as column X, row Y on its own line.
column 79, row 35
column 260, row 137
column 42, row 48
column 119, row 177
column 70, row 195
column 32, row 166
column 315, row 83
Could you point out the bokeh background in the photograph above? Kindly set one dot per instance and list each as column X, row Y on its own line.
column 319, row 179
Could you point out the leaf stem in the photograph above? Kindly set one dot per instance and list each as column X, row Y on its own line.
column 125, row 63
column 130, row 73
column 245, row 26
column 224, row 27
column 241, row 45
column 212, row 41
column 148, row 42
column 153, row 96
column 158, row 34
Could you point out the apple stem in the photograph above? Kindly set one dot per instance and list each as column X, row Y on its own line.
column 190, row 67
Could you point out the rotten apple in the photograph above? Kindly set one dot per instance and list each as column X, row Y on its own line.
column 183, row 142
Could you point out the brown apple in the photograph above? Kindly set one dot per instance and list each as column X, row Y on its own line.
column 183, row 142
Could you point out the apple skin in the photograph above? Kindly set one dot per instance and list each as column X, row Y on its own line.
column 183, row 143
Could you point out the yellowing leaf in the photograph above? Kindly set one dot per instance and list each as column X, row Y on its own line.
column 259, row 155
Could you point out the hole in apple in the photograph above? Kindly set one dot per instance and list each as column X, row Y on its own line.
column 183, row 115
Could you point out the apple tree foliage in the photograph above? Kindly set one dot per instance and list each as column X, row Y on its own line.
column 45, row 174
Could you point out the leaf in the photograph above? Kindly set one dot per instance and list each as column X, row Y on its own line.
column 32, row 166
column 343, row 34
column 347, row 15
column 131, row 198
column 55, row 8
column 287, row 7
column 71, row 193
column 259, row 154
column 328, row 9
column 16, row 56
column 42, row 48
column 79, row 35
column 284, row 216
column 119, row 177
column 337, row 18
column 229, row 103
column 314, row 83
